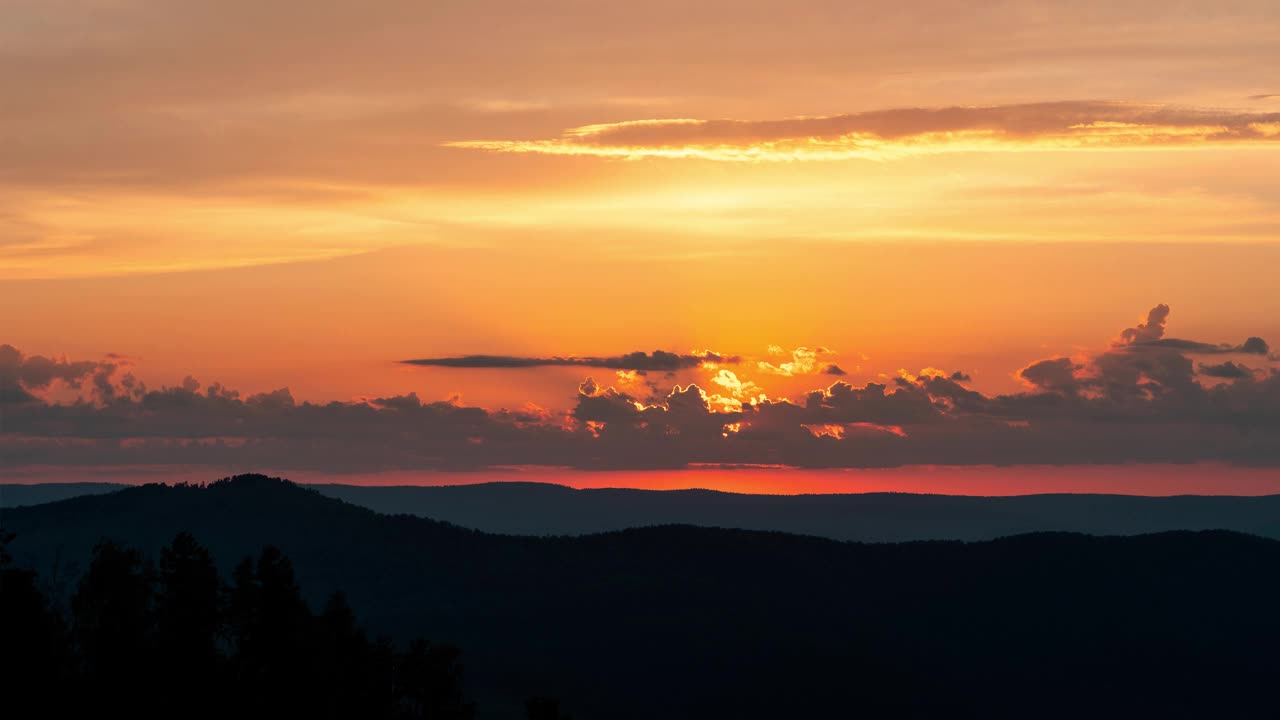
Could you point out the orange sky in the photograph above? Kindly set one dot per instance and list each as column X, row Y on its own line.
column 301, row 194
column 332, row 330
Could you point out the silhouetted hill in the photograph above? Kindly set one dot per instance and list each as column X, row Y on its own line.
column 546, row 509
column 517, row 508
column 679, row 621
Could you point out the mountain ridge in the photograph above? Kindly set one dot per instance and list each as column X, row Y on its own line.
column 680, row 621
column 530, row 508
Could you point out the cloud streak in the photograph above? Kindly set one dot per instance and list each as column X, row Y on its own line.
column 887, row 134
column 657, row 361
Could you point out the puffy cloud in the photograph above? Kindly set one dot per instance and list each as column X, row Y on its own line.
column 736, row 387
column 1149, row 331
column 804, row 361
column 1255, row 346
column 658, row 360
column 1141, row 367
column 1150, row 334
column 22, row 376
column 606, row 405
column 842, row 403
column 1055, row 375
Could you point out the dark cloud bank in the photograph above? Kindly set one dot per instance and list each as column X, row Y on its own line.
column 1145, row 398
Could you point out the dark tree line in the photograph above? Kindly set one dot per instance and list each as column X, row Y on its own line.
column 176, row 640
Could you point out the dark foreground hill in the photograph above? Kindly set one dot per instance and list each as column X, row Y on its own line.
column 686, row 622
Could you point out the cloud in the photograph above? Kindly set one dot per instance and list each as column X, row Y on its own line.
column 1149, row 331
column 1251, row 346
column 1150, row 334
column 1227, row 370
column 1055, row 375
column 842, row 403
column 22, row 376
column 736, row 387
column 658, row 361
column 901, row 132
column 1136, row 400
column 804, row 361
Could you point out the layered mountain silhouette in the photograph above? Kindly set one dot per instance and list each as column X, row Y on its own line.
column 519, row 508
column 546, row 509
column 678, row 621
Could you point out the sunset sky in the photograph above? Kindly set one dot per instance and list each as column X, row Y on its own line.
column 868, row 235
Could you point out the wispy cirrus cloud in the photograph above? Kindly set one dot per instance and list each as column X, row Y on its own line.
column 884, row 134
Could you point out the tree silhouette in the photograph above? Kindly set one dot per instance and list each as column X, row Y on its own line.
column 187, row 624
column 429, row 679
column 352, row 673
column 271, row 623
column 112, row 609
column 544, row 709
column 34, row 645
column 150, row 644
column 240, row 615
column 187, row 613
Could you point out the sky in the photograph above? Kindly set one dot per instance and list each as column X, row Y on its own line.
column 626, row 237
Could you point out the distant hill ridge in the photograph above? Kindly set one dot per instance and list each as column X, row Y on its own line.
column 21, row 494
column 521, row 508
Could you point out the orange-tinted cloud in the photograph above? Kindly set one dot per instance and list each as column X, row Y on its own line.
column 887, row 134
column 804, row 361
